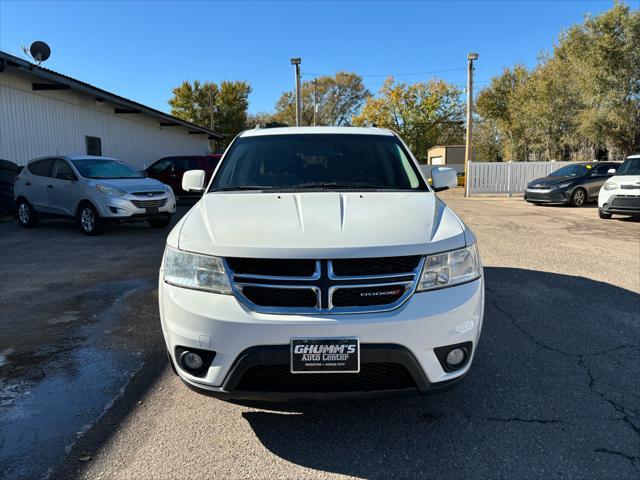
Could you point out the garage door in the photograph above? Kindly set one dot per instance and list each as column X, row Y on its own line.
column 437, row 161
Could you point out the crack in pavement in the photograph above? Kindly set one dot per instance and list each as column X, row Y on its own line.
column 524, row 420
column 619, row 408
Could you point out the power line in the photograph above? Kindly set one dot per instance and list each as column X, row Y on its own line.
column 310, row 74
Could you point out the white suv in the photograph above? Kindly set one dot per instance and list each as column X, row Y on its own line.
column 621, row 193
column 320, row 263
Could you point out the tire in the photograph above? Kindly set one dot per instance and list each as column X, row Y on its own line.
column 27, row 216
column 89, row 221
column 578, row 197
column 604, row 215
column 160, row 222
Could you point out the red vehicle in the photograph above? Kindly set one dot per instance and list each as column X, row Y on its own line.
column 169, row 170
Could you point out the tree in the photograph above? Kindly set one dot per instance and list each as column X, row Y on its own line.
column 230, row 101
column 190, row 102
column 602, row 57
column 580, row 102
column 338, row 98
column 424, row 114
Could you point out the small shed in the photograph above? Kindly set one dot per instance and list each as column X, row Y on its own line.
column 446, row 155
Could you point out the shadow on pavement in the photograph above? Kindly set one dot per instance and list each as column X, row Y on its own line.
column 553, row 392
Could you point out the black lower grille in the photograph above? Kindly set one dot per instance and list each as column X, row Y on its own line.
column 149, row 203
column 375, row 266
column 372, row 377
column 365, row 296
column 626, row 202
column 281, row 297
column 272, row 267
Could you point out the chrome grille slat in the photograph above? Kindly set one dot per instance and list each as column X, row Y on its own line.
column 325, row 283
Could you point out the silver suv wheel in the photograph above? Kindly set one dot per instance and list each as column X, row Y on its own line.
column 87, row 219
column 23, row 213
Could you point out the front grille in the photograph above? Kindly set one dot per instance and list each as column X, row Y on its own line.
column 372, row 377
column 272, row 267
column 147, row 194
column 282, row 285
column 626, row 202
column 352, row 267
column 281, row 297
column 365, row 296
column 149, row 203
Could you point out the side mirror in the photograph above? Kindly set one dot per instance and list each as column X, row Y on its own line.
column 193, row 181
column 443, row 178
column 611, row 171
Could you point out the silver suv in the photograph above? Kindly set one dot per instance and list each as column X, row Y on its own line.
column 93, row 191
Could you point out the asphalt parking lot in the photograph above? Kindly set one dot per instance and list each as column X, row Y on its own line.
column 554, row 392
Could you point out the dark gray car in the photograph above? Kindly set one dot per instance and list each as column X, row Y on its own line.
column 574, row 184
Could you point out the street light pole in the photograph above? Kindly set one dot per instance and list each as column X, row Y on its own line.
column 469, row 145
column 296, row 62
column 315, row 100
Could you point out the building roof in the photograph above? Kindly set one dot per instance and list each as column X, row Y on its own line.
column 256, row 132
column 446, row 146
column 58, row 81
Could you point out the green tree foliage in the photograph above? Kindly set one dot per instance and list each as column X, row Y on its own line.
column 582, row 99
column 337, row 97
column 230, row 100
column 424, row 114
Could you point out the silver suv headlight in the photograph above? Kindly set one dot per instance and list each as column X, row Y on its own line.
column 110, row 191
column 191, row 270
column 450, row 268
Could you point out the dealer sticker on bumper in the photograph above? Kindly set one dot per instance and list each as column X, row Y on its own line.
column 325, row 355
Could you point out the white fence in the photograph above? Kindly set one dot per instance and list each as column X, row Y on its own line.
column 506, row 177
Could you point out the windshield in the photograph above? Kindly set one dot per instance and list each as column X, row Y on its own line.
column 631, row 166
column 572, row 171
column 317, row 161
column 103, row 169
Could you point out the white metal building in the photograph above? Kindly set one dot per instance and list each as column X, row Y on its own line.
column 46, row 113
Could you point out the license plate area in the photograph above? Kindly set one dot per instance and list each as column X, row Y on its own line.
column 325, row 355
column 151, row 210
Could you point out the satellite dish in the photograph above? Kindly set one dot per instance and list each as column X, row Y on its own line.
column 39, row 51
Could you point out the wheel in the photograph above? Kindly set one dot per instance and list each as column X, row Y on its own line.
column 26, row 214
column 89, row 220
column 604, row 215
column 578, row 197
column 159, row 222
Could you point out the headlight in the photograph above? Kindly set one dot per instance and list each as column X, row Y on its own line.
column 110, row 191
column 190, row 270
column 564, row 185
column 610, row 186
column 450, row 268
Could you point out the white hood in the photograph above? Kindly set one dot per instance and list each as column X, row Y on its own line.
column 318, row 225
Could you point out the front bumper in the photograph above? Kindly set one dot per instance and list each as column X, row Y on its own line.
column 621, row 204
column 428, row 320
column 122, row 209
column 546, row 196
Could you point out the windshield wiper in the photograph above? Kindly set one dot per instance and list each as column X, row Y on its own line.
column 240, row 188
column 333, row 185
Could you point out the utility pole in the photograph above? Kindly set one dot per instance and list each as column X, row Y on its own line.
column 211, row 107
column 297, row 62
column 469, row 145
column 315, row 102
column 212, row 146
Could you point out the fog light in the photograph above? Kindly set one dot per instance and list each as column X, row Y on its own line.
column 606, row 206
column 455, row 357
column 192, row 361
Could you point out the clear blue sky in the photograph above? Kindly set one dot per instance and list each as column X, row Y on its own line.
column 141, row 50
